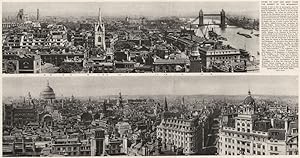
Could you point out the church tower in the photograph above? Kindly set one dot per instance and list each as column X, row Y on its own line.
column 100, row 32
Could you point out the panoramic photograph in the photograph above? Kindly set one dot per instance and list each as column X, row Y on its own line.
column 150, row 115
column 130, row 37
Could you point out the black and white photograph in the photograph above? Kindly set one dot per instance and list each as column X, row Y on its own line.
column 150, row 115
column 131, row 37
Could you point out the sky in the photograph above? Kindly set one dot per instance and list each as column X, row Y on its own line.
column 83, row 86
column 189, row 8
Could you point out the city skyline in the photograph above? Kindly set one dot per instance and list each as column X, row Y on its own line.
column 153, row 85
column 114, row 8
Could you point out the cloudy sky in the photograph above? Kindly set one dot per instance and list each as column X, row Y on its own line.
column 117, row 8
column 152, row 85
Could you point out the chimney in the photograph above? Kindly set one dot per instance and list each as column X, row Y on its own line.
column 286, row 125
column 37, row 14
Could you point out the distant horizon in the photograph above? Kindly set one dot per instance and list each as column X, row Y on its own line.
column 153, row 85
column 162, row 95
column 117, row 9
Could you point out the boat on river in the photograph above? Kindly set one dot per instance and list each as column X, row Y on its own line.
column 243, row 34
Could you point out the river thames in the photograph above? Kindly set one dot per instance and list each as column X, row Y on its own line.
column 234, row 39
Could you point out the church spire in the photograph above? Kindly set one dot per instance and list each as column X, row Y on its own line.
column 29, row 96
column 100, row 16
column 182, row 104
column 166, row 105
column 100, row 32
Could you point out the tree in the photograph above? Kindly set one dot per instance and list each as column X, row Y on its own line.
column 10, row 67
column 124, row 45
column 69, row 68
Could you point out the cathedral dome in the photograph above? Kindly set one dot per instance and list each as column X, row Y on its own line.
column 47, row 93
column 249, row 100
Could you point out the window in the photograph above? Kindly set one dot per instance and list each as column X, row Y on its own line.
column 99, row 39
column 295, row 130
column 275, row 148
column 258, row 145
column 271, row 148
column 258, row 153
column 26, row 64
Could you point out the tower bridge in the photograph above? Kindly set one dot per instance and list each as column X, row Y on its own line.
column 201, row 16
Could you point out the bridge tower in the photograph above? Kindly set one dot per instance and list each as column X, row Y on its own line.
column 222, row 19
column 200, row 18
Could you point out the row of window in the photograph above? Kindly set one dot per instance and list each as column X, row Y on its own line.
column 42, row 40
column 175, row 137
column 224, row 58
column 85, row 148
column 243, row 124
column 177, row 121
column 243, row 136
column 222, row 52
column 178, row 126
column 180, row 139
column 243, row 130
column 293, row 153
column 66, row 148
column 273, row 148
column 244, row 143
column 175, row 128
